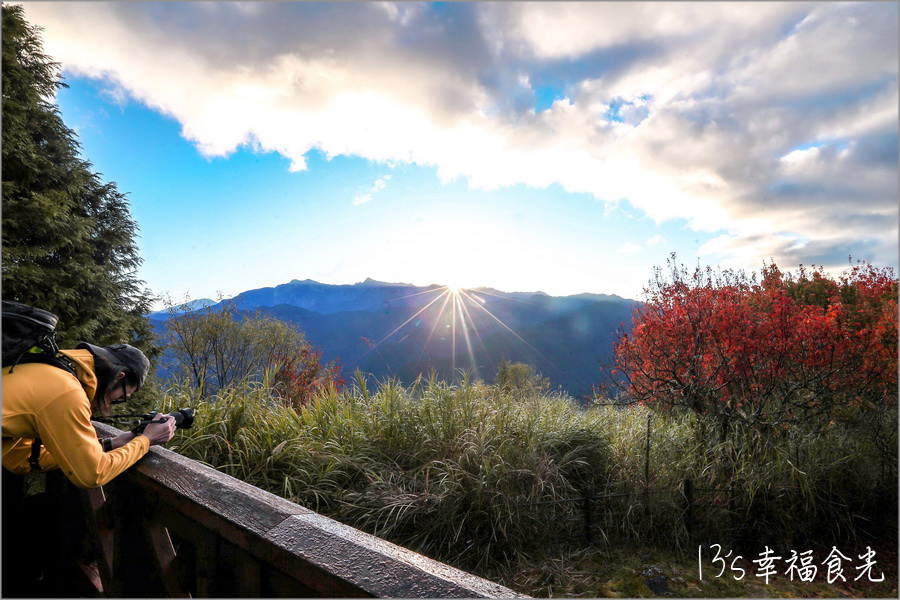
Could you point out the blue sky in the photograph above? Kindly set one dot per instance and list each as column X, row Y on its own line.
column 560, row 147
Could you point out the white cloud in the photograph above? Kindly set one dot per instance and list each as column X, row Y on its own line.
column 655, row 240
column 629, row 248
column 721, row 104
column 363, row 197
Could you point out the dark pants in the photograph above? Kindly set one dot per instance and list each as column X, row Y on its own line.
column 33, row 551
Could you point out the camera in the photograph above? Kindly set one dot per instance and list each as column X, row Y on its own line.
column 184, row 419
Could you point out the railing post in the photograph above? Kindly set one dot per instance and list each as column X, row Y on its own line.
column 249, row 576
column 100, row 533
column 132, row 556
column 207, row 559
column 164, row 555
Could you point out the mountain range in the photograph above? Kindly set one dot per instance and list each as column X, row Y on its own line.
column 401, row 330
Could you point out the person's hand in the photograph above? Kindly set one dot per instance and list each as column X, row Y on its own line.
column 160, row 430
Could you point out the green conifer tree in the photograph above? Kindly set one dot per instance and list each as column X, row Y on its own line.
column 68, row 238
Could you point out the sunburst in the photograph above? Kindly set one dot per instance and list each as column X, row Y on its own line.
column 460, row 305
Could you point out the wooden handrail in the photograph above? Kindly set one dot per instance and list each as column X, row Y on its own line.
column 172, row 526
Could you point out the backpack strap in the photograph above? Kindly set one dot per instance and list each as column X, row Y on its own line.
column 46, row 345
column 58, row 360
column 35, row 459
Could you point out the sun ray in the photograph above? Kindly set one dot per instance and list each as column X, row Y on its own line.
column 463, row 312
column 507, row 327
column 472, row 320
column 399, row 327
column 437, row 320
column 455, row 296
column 441, row 289
column 462, row 323
column 419, row 312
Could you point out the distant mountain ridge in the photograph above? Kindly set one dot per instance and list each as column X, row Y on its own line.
column 403, row 330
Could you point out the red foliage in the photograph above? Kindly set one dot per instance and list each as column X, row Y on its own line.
column 786, row 348
column 298, row 378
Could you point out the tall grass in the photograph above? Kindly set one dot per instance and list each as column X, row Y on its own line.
column 477, row 477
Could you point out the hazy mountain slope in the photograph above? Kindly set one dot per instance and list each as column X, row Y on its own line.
column 402, row 330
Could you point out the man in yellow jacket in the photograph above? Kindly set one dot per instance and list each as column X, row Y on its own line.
column 53, row 404
column 47, row 402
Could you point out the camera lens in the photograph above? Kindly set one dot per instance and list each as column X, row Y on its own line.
column 184, row 418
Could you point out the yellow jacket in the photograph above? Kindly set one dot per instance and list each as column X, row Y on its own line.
column 44, row 401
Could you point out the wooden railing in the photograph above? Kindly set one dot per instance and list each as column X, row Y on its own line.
column 172, row 527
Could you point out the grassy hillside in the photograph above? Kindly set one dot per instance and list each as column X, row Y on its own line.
column 492, row 480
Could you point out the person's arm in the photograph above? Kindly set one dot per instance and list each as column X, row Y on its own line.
column 157, row 434
column 114, row 443
column 67, row 433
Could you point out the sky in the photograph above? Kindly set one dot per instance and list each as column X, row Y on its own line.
column 555, row 147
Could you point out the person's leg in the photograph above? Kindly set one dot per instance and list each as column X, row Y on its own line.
column 13, row 582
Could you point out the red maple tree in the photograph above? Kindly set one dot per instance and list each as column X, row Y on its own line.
column 784, row 349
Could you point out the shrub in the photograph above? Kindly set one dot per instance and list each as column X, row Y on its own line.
column 786, row 350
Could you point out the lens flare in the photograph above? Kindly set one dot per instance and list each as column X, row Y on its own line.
column 454, row 312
